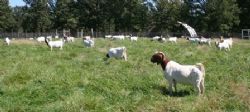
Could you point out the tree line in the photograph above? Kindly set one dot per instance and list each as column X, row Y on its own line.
column 124, row 15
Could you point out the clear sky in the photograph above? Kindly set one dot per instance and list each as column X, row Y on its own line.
column 14, row 3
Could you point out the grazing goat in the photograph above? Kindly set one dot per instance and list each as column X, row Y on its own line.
column 7, row 40
column 118, row 37
column 155, row 38
column 177, row 73
column 108, row 36
column 205, row 41
column 88, row 42
column 69, row 39
column 172, row 39
column 133, row 38
column 223, row 45
column 52, row 44
column 118, row 52
column 40, row 39
column 229, row 41
column 193, row 40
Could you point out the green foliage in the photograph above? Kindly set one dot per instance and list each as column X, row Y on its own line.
column 33, row 78
column 7, row 22
column 123, row 16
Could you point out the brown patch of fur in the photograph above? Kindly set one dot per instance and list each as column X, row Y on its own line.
column 160, row 58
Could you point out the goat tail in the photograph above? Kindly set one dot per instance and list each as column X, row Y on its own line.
column 201, row 68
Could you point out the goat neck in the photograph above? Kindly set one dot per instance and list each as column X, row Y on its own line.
column 164, row 63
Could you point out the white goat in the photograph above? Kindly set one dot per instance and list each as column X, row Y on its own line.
column 7, row 40
column 194, row 40
column 118, row 52
column 175, row 72
column 229, row 41
column 118, row 37
column 155, row 38
column 172, row 39
column 89, row 42
column 108, row 36
column 133, row 38
column 205, row 41
column 52, row 44
column 223, row 45
column 40, row 39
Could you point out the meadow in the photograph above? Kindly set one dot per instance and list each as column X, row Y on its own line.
column 33, row 78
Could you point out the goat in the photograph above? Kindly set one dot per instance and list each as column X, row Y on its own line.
column 118, row 37
column 177, row 73
column 118, row 52
column 52, row 44
column 205, row 41
column 133, row 38
column 40, row 39
column 223, row 45
column 229, row 41
column 7, row 40
column 172, row 39
column 88, row 42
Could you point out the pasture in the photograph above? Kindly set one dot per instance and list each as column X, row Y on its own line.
column 33, row 78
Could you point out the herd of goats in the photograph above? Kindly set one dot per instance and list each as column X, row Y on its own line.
column 173, row 71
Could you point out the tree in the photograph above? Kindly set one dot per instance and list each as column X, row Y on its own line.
column 244, row 15
column 39, row 16
column 222, row 15
column 7, row 21
column 65, row 12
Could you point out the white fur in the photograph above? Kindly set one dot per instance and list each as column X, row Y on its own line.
column 193, row 39
column 108, row 36
column 89, row 42
column 40, row 39
column 118, row 37
column 186, row 74
column 229, row 41
column 133, row 38
column 223, row 45
column 172, row 39
column 58, row 44
column 205, row 41
column 118, row 52
column 156, row 37
column 7, row 40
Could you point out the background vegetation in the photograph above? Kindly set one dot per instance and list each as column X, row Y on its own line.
column 32, row 78
column 124, row 15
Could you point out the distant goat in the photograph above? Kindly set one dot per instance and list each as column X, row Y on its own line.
column 205, row 41
column 51, row 44
column 223, row 45
column 118, row 52
column 118, row 37
column 172, row 39
column 89, row 42
column 229, row 41
column 69, row 39
column 40, row 39
column 177, row 73
column 7, row 40
column 133, row 38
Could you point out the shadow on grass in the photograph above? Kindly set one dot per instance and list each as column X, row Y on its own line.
column 180, row 93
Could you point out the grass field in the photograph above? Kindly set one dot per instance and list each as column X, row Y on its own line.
column 32, row 78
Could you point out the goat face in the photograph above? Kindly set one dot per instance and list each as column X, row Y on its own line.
column 157, row 58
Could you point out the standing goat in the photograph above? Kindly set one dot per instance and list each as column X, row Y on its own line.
column 118, row 52
column 88, row 42
column 51, row 44
column 7, row 40
column 175, row 72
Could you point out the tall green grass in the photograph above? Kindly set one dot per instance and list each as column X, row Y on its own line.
column 32, row 78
